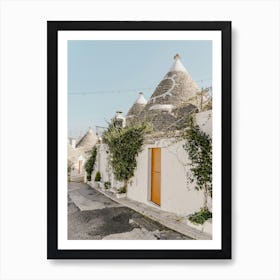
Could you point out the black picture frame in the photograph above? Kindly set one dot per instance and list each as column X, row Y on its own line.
column 53, row 27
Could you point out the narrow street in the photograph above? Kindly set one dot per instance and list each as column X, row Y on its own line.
column 92, row 215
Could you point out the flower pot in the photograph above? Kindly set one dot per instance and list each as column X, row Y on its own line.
column 121, row 195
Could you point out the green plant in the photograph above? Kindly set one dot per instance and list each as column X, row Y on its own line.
column 107, row 185
column 124, row 145
column 199, row 148
column 97, row 177
column 201, row 216
column 89, row 165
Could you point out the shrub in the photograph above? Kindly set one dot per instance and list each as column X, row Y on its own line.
column 201, row 216
column 107, row 185
column 124, row 145
column 89, row 165
column 97, row 177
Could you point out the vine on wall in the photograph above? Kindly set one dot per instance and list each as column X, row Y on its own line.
column 124, row 145
column 199, row 148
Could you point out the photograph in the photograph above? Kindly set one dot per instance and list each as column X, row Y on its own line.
column 139, row 140
column 142, row 146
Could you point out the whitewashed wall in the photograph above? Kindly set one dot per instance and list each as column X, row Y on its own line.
column 138, row 188
column 204, row 121
column 177, row 193
column 102, row 163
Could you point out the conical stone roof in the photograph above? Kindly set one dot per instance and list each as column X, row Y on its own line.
column 176, row 89
column 138, row 106
column 88, row 140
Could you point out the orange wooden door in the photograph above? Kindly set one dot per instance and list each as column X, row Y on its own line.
column 155, row 175
column 79, row 167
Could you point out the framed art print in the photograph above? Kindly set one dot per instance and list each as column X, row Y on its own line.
column 139, row 140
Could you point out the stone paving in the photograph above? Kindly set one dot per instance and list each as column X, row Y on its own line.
column 167, row 219
column 92, row 215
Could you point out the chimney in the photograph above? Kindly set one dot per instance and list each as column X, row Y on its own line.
column 119, row 119
column 119, row 115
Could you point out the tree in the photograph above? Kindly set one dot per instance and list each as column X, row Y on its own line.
column 199, row 148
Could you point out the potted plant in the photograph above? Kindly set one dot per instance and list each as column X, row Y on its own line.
column 121, row 193
column 97, row 178
column 107, row 185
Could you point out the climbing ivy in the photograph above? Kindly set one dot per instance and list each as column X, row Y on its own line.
column 124, row 145
column 199, row 147
column 89, row 165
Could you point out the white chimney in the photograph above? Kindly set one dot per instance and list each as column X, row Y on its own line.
column 141, row 99
column 120, row 118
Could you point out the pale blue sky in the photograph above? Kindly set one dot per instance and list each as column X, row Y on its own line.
column 106, row 76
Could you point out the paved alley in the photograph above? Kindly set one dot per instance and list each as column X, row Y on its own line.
column 92, row 215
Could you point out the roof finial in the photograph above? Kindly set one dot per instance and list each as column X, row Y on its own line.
column 177, row 56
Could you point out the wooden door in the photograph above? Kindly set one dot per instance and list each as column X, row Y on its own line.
column 155, row 175
column 79, row 166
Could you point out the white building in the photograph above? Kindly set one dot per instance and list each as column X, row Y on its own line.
column 79, row 153
column 162, row 176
